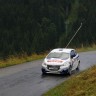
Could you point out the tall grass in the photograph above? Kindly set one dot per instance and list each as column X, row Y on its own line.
column 83, row 84
column 86, row 48
column 14, row 60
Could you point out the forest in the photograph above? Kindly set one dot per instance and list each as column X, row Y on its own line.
column 36, row 26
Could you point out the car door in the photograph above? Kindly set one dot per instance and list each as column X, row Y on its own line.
column 74, row 57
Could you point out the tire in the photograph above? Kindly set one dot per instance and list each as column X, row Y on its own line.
column 43, row 71
column 69, row 72
column 78, row 67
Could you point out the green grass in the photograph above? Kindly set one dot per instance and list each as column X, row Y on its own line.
column 83, row 84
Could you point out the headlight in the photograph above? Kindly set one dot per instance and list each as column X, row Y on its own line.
column 66, row 64
column 44, row 64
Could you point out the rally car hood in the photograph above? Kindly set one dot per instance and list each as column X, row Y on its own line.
column 55, row 61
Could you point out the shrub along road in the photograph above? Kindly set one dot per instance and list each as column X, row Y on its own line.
column 26, row 79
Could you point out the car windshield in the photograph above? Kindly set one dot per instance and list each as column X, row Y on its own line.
column 61, row 55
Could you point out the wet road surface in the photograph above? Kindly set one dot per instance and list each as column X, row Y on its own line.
column 26, row 79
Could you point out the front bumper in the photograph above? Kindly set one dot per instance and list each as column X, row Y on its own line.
column 61, row 70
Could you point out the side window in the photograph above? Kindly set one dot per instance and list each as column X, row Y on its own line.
column 73, row 53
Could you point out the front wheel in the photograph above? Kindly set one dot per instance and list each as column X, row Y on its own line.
column 78, row 67
column 69, row 70
column 43, row 71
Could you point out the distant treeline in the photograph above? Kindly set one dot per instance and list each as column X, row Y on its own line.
column 35, row 26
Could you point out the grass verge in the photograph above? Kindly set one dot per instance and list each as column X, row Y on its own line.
column 83, row 84
column 84, row 49
column 14, row 60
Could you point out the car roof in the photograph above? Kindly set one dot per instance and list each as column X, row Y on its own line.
column 67, row 50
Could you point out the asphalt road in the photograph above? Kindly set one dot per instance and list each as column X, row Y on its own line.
column 26, row 79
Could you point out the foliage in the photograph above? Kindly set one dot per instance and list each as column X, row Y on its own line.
column 32, row 26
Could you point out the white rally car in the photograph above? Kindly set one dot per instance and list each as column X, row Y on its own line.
column 61, row 61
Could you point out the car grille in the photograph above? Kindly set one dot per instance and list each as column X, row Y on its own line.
column 53, row 68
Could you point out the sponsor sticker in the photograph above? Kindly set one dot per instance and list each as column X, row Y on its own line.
column 58, row 61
